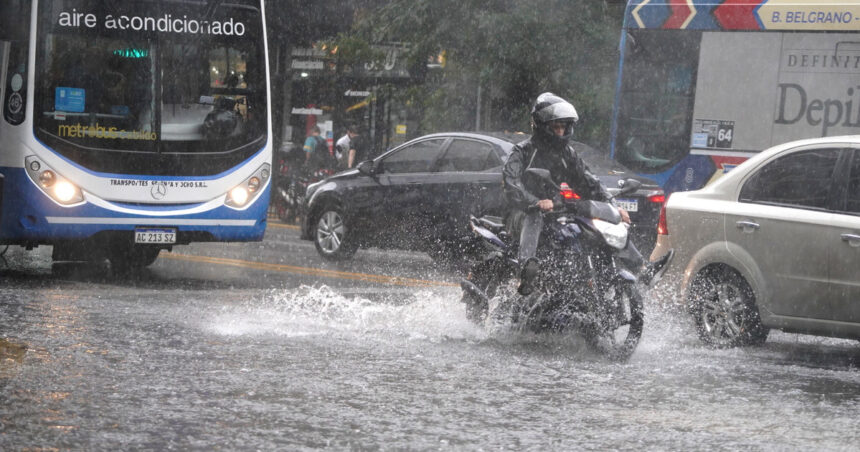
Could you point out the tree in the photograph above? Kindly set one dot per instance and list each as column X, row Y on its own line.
column 512, row 49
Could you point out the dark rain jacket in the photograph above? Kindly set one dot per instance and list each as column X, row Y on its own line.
column 564, row 166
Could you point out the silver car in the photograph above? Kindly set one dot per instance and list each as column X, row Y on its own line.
column 775, row 243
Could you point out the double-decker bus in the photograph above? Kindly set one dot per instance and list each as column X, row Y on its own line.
column 705, row 84
column 132, row 126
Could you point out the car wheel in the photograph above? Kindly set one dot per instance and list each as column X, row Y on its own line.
column 724, row 309
column 332, row 235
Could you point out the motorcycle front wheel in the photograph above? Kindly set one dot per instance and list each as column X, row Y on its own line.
column 618, row 327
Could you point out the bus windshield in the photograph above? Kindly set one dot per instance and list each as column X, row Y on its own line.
column 702, row 89
column 151, row 87
column 656, row 98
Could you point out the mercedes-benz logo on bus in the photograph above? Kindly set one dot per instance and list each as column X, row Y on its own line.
column 158, row 190
column 15, row 103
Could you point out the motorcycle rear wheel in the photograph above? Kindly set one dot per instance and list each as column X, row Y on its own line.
column 618, row 332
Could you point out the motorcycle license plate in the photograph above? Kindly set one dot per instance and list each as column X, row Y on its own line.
column 155, row 235
column 630, row 205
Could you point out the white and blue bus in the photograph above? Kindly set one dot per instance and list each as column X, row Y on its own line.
column 132, row 126
column 705, row 84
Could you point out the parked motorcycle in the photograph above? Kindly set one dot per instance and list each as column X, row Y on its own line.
column 291, row 183
column 582, row 283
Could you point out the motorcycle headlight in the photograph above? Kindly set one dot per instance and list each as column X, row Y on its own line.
column 615, row 235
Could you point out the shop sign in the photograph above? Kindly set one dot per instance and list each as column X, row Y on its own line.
column 306, row 111
column 354, row 93
column 393, row 66
column 304, row 64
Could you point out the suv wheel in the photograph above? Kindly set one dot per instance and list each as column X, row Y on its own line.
column 332, row 236
column 724, row 309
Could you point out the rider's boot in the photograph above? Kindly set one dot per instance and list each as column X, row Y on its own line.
column 653, row 271
column 477, row 303
column 527, row 276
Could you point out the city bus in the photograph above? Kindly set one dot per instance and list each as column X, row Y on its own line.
column 704, row 84
column 130, row 127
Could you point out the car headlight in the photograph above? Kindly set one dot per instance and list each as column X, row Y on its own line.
column 614, row 234
column 57, row 187
column 244, row 193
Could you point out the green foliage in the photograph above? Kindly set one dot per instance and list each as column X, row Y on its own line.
column 513, row 49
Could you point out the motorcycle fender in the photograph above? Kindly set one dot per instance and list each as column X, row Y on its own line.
column 489, row 236
column 625, row 276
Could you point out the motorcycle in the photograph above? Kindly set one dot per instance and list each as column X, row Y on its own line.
column 291, row 184
column 582, row 282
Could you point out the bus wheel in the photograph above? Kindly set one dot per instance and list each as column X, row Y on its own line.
column 125, row 259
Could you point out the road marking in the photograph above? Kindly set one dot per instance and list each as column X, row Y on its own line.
column 284, row 226
column 384, row 279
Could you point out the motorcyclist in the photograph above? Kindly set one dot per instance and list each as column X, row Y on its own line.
column 549, row 148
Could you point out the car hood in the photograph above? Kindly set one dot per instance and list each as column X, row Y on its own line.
column 345, row 174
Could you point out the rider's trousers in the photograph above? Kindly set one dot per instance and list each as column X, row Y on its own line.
column 532, row 225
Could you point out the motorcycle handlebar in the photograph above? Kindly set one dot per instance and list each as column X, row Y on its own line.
column 593, row 209
column 558, row 206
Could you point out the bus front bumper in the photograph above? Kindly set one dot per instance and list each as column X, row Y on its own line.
column 28, row 216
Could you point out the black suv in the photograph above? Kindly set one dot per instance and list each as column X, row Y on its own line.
column 418, row 196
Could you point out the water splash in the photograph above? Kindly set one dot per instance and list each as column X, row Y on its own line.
column 428, row 316
column 315, row 311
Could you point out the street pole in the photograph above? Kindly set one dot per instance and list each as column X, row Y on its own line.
column 478, row 110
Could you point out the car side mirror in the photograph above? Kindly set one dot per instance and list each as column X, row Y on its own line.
column 367, row 168
column 628, row 186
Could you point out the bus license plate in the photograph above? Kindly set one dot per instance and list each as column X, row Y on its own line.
column 630, row 205
column 155, row 235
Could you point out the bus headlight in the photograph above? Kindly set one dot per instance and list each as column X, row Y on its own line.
column 239, row 196
column 244, row 193
column 47, row 178
column 64, row 191
column 52, row 184
column 253, row 184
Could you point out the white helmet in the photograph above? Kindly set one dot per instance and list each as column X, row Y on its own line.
column 548, row 108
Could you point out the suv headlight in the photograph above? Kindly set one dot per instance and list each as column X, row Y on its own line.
column 57, row 187
column 614, row 234
column 244, row 193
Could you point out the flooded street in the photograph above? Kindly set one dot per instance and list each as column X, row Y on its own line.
column 254, row 225
column 104, row 366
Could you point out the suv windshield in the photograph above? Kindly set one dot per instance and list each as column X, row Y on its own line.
column 124, row 88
